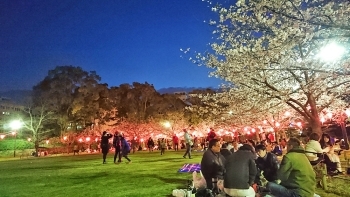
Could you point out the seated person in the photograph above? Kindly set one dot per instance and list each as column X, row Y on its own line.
column 296, row 173
column 276, row 149
column 313, row 147
column 331, row 158
column 213, row 164
column 267, row 162
column 240, row 172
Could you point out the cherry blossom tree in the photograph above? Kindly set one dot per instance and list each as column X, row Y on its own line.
column 276, row 53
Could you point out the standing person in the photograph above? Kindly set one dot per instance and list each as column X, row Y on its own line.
column 213, row 165
column 176, row 142
column 240, row 172
column 105, row 144
column 125, row 148
column 211, row 134
column 117, row 147
column 134, row 144
column 162, row 146
column 296, row 173
column 75, row 149
column 189, row 143
column 267, row 162
column 150, row 144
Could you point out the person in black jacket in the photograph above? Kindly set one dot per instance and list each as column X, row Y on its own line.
column 267, row 162
column 224, row 151
column 105, row 144
column 240, row 172
column 213, row 165
column 117, row 147
column 150, row 144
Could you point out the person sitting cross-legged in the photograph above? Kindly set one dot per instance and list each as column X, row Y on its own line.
column 296, row 174
column 240, row 173
column 267, row 162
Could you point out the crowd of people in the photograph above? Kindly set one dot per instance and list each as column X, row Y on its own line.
column 245, row 168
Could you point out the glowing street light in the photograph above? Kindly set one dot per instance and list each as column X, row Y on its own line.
column 167, row 124
column 287, row 113
column 15, row 125
column 277, row 124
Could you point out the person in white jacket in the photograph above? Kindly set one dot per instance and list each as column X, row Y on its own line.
column 313, row 147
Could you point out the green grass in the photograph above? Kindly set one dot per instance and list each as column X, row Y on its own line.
column 149, row 175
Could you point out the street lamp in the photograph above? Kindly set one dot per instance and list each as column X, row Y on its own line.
column 15, row 125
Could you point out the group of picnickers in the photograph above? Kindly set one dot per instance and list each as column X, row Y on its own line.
column 248, row 169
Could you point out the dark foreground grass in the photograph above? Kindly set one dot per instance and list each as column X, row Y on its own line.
column 149, row 175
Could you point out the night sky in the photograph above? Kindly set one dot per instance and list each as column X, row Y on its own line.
column 123, row 41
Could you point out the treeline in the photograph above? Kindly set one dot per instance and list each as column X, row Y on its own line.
column 74, row 100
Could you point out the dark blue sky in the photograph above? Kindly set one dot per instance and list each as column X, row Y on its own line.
column 123, row 41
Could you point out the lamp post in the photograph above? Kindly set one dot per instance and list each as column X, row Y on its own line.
column 15, row 125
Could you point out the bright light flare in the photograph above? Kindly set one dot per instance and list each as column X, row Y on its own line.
column 331, row 52
column 65, row 138
column 47, row 141
column 299, row 124
column 87, row 139
column 287, row 113
column 347, row 112
column 167, row 124
column 322, row 120
column 15, row 124
column 2, row 136
column 29, row 139
column 329, row 115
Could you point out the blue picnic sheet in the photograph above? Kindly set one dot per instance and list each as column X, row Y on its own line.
column 190, row 167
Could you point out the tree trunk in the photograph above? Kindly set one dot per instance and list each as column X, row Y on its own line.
column 316, row 126
column 36, row 147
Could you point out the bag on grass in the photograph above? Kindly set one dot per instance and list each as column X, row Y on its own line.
column 199, row 181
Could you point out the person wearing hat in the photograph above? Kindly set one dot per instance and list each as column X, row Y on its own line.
column 105, row 144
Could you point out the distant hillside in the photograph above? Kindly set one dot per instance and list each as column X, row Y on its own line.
column 17, row 96
column 171, row 90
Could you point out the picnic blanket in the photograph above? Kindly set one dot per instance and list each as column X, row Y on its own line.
column 190, row 167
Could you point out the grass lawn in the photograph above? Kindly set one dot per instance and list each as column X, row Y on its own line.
column 149, row 174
